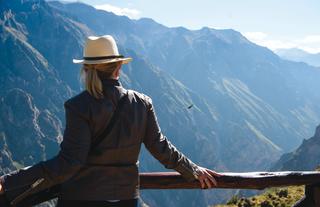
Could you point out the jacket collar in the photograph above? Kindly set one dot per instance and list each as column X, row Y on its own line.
column 111, row 82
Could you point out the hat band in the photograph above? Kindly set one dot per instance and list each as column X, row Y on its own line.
column 103, row 57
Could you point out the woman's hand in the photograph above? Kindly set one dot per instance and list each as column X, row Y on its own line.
column 1, row 187
column 206, row 177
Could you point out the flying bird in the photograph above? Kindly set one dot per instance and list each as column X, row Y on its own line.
column 189, row 107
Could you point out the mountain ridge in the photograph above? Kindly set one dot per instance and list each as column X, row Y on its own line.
column 155, row 58
column 305, row 157
column 299, row 55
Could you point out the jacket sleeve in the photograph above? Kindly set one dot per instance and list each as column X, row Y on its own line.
column 162, row 149
column 72, row 155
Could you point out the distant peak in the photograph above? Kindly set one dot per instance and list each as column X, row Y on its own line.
column 147, row 20
column 317, row 134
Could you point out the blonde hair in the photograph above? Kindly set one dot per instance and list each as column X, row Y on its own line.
column 91, row 75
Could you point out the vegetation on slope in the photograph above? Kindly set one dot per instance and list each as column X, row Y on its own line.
column 274, row 197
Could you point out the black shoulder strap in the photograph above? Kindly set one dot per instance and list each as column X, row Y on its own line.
column 110, row 125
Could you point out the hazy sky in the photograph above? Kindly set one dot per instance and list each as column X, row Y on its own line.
column 272, row 23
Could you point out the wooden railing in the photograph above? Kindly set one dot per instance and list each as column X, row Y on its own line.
column 250, row 180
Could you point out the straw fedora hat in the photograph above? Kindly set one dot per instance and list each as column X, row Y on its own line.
column 101, row 49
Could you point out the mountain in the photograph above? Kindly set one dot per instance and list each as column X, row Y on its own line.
column 249, row 106
column 37, row 76
column 305, row 157
column 298, row 55
column 251, row 88
column 30, row 119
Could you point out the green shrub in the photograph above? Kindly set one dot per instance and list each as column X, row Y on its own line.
column 283, row 193
column 266, row 204
column 233, row 200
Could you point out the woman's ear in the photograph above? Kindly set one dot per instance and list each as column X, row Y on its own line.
column 117, row 71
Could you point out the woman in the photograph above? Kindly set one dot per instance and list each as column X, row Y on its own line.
column 107, row 175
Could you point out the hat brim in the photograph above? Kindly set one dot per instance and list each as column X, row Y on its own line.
column 122, row 60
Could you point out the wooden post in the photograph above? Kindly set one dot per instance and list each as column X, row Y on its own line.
column 311, row 197
column 316, row 195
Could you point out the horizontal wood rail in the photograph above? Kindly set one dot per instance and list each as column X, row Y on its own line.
column 248, row 180
column 251, row 180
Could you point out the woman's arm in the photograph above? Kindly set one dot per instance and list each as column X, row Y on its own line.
column 162, row 149
column 71, row 157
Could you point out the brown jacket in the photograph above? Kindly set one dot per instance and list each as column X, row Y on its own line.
column 112, row 174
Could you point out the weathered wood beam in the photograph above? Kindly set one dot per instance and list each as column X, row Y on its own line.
column 173, row 180
column 251, row 180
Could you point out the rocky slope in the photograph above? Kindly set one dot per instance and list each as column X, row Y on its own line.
column 30, row 118
column 305, row 157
